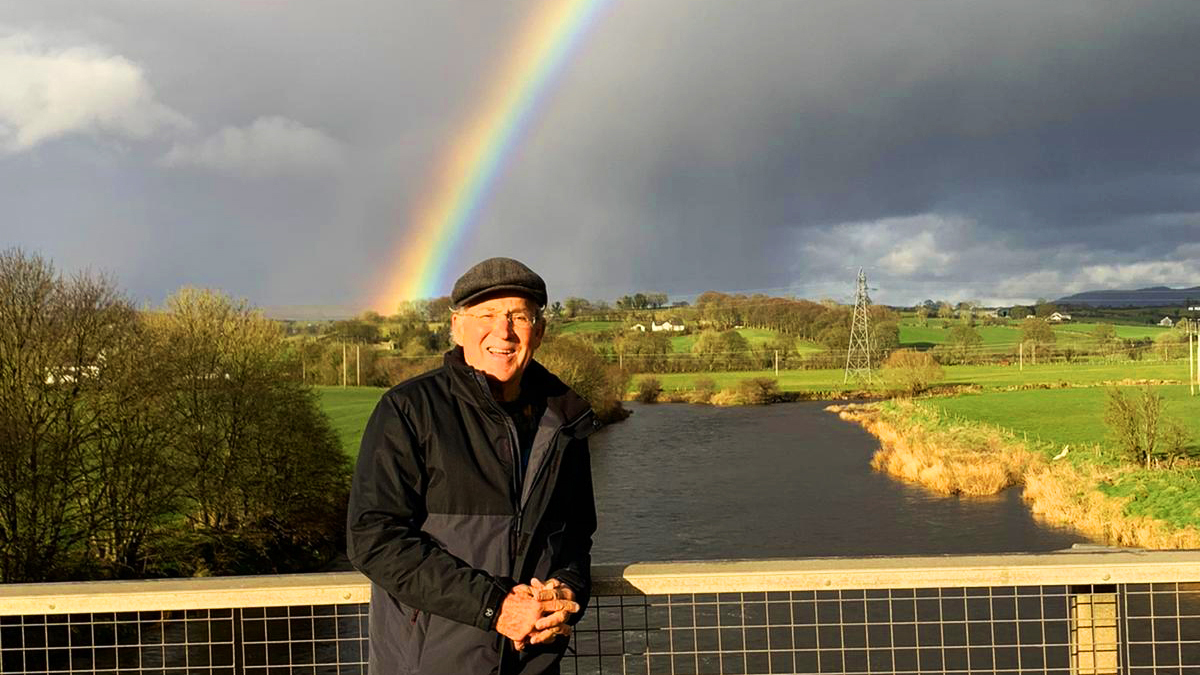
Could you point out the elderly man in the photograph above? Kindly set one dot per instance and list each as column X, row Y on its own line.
column 471, row 510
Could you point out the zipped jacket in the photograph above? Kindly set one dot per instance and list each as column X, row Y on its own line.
column 443, row 521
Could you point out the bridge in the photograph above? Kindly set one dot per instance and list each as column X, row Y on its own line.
column 1087, row 611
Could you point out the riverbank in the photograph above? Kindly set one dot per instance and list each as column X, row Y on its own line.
column 1088, row 491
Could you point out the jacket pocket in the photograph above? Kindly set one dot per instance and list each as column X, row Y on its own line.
column 411, row 632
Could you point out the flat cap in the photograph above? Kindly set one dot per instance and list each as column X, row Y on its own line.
column 498, row 274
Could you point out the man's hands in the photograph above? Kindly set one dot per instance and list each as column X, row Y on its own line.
column 536, row 613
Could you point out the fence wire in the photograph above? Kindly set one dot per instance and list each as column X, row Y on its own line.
column 1086, row 629
column 1151, row 628
column 298, row 639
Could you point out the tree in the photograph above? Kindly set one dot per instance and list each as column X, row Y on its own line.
column 1044, row 308
column 1019, row 312
column 59, row 339
column 578, row 365
column 725, row 350
column 266, row 474
column 1133, row 423
column 923, row 315
column 964, row 340
column 354, row 330
column 945, row 310
column 911, row 371
column 1105, row 337
column 885, row 338
column 643, row 351
column 576, row 307
column 1037, row 330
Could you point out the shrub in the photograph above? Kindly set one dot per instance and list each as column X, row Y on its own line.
column 1139, row 429
column 759, row 390
column 577, row 364
column 648, row 389
column 911, row 371
column 703, row 389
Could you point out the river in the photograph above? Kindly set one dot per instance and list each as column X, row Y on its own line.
column 692, row 482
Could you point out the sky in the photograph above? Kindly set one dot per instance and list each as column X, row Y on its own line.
column 997, row 150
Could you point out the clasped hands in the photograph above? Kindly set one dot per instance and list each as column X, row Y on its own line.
column 536, row 612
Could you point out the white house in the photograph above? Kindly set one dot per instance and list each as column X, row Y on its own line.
column 1166, row 321
column 667, row 325
column 1059, row 317
column 639, row 326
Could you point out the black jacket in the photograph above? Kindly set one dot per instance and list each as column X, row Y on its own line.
column 443, row 525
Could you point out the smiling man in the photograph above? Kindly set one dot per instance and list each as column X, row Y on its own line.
column 471, row 510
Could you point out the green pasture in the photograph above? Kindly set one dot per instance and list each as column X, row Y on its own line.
column 573, row 327
column 912, row 334
column 1072, row 416
column 348, row 409
column 986, row 376
column 682, row 344
column 1053, row 418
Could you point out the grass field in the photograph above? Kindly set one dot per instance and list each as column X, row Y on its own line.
column 682, row 344
column 573, row 327
column 348, row 409
column 987, row 376
column 1062, row 416
column 1052, row 418
column 912, row 334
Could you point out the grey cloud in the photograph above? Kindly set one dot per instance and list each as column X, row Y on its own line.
column 967, row 149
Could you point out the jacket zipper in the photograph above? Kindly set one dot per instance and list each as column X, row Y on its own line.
column 554, row 443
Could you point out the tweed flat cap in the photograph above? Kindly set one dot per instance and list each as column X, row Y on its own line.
column 498, row 274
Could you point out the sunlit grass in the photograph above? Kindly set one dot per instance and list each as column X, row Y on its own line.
column 348, row 409
column 987, row 376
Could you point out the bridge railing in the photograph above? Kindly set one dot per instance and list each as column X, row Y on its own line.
column 1087, row 611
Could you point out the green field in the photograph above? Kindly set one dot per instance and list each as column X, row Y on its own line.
column 1062, row 416
column 682, row 344
column 1053, row 418
column 912, row 334
column 987, row 376
column 348, row 409
column 573, row 327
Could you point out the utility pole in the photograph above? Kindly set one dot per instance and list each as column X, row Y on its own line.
column 858, row 354
column 357, row 367
column 343, row 364
column 776, row 363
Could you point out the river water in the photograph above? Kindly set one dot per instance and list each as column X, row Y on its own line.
column 692, row 482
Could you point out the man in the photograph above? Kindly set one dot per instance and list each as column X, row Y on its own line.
column 471, row 510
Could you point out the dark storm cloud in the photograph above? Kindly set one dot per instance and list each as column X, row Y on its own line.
column 992, row 150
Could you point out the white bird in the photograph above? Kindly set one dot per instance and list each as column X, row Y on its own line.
column 1065, row 450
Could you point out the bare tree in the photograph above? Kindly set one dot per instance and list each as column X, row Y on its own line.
column 59, row 339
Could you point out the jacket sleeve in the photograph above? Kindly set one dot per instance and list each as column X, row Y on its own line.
column 384, row 539
column 575, row 569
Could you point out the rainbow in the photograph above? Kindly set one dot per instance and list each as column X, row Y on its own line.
column 465, row 176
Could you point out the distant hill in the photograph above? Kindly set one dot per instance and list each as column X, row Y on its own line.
column 1157, row 296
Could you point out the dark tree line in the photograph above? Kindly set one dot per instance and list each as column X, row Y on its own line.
column 154, row 443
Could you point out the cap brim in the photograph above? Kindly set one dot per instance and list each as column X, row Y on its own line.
column 504, row 288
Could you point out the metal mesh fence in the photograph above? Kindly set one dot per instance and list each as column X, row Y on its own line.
column 296, row 639
column 1151, row 627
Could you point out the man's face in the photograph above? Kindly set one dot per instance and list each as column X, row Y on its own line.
column 495, row 344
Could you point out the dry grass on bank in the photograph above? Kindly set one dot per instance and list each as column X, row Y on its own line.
column 976, row 459
column 960, row 459
column 1065, row 495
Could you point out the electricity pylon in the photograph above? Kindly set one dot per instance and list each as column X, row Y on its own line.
column 858, row 355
